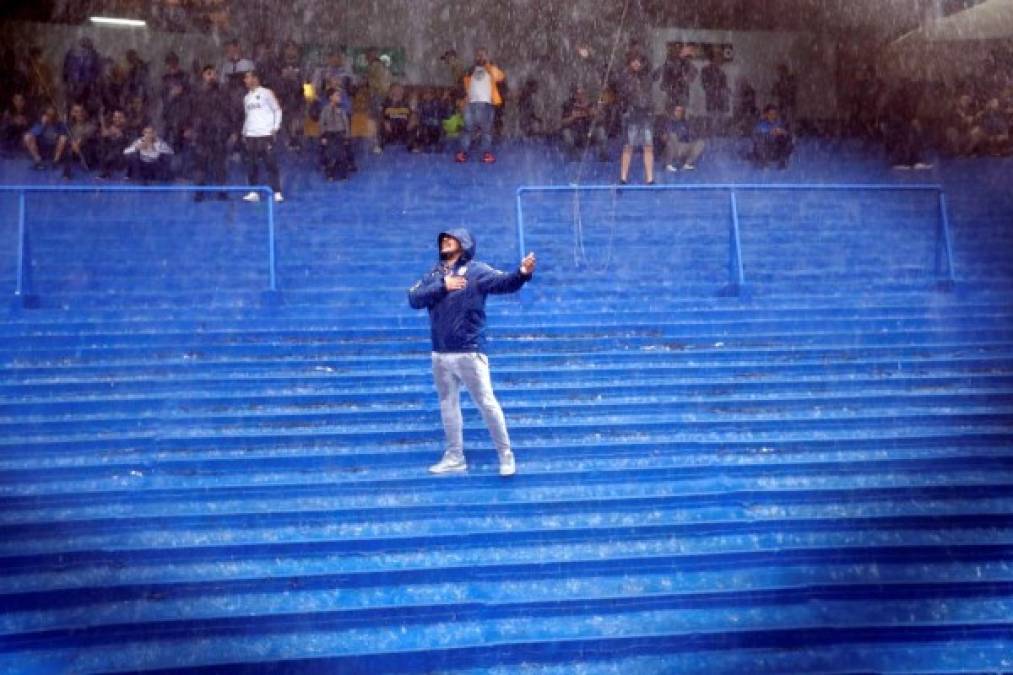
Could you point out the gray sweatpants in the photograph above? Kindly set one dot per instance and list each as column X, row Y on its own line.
column 450, row 371
column 683, row 153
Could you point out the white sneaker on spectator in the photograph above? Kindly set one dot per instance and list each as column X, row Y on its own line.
column 688, row 167
column 251, row 197
column 922, row 166
column 278, row 198
column 507, row 466
column 447, row 465
column 377, row 150
column 670, row 168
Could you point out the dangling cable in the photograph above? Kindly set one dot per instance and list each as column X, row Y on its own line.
column 579, row 251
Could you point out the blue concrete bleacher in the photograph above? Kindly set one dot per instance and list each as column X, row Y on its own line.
column 813, row 476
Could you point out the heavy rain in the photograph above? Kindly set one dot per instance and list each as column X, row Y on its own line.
column 506, row 336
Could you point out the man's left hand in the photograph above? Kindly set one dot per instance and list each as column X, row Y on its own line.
column 528, row 265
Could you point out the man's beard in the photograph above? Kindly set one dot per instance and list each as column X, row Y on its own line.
column 447, row 255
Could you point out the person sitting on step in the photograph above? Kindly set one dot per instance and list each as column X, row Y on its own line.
column 772, row 142
column 682, row 147
column 47, row 139
column 149, row 157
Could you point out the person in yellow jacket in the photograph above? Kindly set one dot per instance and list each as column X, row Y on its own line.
column 481, row 83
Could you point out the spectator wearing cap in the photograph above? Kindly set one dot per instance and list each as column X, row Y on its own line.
column 232, row 71
column 454, row 68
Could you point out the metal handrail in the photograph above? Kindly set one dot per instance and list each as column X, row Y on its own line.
column 22, row 288
column 736, row 275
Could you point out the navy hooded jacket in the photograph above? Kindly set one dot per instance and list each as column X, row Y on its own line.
column 457, row 318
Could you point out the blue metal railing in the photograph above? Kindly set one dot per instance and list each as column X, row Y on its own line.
column 736, row 274
column 22, row 289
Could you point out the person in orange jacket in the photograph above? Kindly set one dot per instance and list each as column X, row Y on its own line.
column 481, row 83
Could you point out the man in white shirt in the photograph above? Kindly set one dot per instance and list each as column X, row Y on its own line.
column 482, row 85
column 263, row 119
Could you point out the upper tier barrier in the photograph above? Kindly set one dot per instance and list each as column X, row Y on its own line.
column 22, row 289
column 736, row 275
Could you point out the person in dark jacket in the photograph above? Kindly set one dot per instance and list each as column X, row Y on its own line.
column 81, row 70
column 634, row 90
column 772, row 141
column 114, row 138
column 717, row 94
column 215, row 121
column 454, row 292
column 677, row 74
column 177, row 116
column 903, row 134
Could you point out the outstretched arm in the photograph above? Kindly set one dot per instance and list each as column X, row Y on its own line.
column 496, row 282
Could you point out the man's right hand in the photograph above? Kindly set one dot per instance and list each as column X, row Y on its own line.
column 454, row 283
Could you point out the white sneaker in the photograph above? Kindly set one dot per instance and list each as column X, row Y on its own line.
column 377, row 150
column 278, row 198
column 251, row 197
column 670, row 168
column 922, row 166
column 507, row 466
column 688, row 167
column 446, row 465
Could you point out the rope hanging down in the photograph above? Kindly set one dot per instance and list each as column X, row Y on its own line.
column 580, row 257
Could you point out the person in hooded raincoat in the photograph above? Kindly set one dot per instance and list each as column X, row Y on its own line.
column 454, row 292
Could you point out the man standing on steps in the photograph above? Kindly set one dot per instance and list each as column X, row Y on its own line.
column 454, row 292
column 263, row 119
column 481, row 84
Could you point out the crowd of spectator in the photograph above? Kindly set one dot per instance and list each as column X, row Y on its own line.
column 113, row 118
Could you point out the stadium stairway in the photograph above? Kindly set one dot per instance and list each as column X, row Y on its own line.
column 813, row 476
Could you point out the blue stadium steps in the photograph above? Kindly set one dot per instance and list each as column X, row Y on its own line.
column 814, row 475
